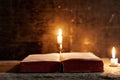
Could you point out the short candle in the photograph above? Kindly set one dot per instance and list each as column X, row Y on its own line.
column 113, row 60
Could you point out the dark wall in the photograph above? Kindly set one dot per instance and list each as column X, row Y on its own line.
column 30, row 26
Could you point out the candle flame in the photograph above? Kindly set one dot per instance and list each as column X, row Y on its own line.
column 59, row 37
column 113, row 52
column 60, row 32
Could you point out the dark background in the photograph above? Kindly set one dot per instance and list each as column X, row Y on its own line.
column 30, row 27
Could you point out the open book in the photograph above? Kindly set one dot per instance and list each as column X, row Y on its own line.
column 64, row 62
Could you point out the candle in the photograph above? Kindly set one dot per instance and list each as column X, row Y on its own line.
column 59, row 39
column 114, row 60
